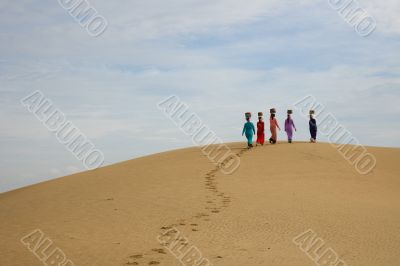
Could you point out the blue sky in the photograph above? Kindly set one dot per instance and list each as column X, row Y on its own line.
column 222, row 57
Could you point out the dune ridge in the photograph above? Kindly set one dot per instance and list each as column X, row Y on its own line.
column 115, row 215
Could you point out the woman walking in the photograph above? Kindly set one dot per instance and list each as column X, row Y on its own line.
column 273, row 125
column 313, row 127
column 289, row 126
column 249, row 131
column 260, row 129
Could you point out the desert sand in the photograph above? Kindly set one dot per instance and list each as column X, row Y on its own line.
column 113, row 215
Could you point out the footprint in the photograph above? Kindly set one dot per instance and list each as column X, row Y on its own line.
column 131, row 259
column 153, row 262
column 159, row 250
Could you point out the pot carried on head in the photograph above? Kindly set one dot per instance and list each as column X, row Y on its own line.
column 289, row 112
column 312, row 112
column 260, row 114
column 247, row 115
column 272, row 111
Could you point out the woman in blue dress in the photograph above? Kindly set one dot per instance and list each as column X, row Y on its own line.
column 313, row 127
column 249, row 130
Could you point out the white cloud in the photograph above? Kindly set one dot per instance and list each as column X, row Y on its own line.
column 386, row 13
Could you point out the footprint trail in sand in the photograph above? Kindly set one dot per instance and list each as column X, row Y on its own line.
column 214, row 203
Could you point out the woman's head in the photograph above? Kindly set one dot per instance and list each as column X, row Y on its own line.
column 260, row 118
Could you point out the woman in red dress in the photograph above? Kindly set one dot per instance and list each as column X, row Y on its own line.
column 260, row 130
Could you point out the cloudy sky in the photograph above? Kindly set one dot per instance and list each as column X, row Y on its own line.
column 221, row 57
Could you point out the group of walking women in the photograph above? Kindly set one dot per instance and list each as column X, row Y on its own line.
column 249, row 129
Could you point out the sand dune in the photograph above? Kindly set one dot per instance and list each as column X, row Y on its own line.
column 113, row 215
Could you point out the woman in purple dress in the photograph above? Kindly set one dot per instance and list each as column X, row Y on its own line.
column 289, row 126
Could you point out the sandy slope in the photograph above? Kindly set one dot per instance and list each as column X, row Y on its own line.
column 113, row 215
